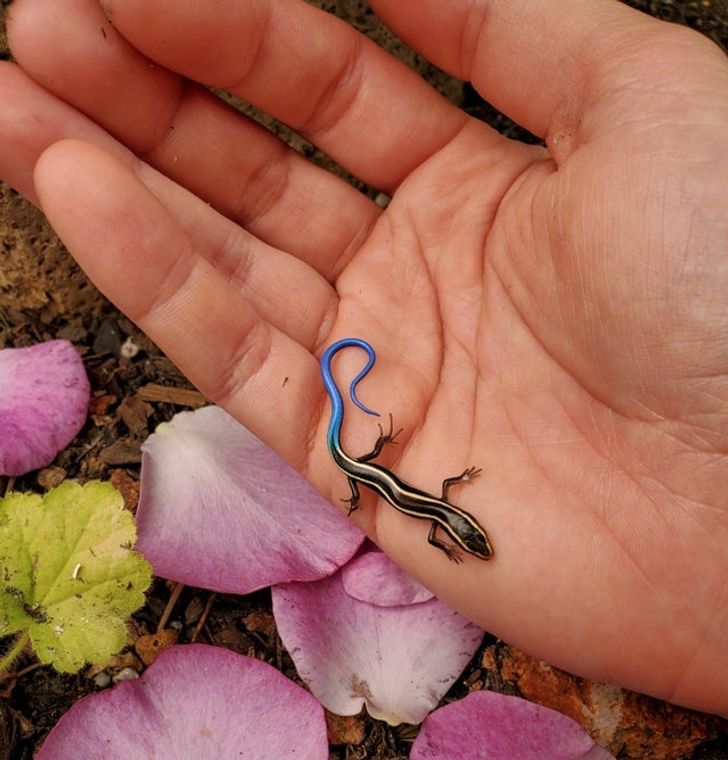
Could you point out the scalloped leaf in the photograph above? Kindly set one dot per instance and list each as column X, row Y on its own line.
column 68, row 576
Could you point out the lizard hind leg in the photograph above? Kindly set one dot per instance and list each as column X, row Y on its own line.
column 353, row 500
column 382, row 441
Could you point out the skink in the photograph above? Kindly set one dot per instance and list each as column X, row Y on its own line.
column 465, row 531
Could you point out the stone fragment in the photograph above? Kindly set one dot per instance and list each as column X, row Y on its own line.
column 631, row 726
column 150, row 645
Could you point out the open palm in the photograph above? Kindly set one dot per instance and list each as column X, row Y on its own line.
column 556, row 316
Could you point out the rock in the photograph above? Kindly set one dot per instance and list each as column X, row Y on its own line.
column 102, row 680
column 126, row 674
column 629, row 725
column 150, row 645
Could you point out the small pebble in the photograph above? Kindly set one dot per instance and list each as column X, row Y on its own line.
column 115, row 663
column 126, row 674
column 129, row 349
column 103, row 679
column 108, row 338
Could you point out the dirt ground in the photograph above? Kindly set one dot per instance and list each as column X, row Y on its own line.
column 43, row 295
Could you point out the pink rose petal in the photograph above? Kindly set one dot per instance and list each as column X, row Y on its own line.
column 194, row 702
column 399, row 661
column 491, row 726
column 220, row 510
column 373, row 577
column 44, row 395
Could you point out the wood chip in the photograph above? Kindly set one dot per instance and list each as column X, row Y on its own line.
column 50, row 477
column 135, row 412
column 127, row 486
column 178, row 396
column 122, row 452
column 99, row 406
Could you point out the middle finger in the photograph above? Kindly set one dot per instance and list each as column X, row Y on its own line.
column 183, row 130
column 369, row 112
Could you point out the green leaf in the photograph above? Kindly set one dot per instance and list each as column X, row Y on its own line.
column 68, row 576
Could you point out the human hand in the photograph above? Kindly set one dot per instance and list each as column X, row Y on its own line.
column 555, row 316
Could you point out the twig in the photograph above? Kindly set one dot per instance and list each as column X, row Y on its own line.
column 20, row 673
column 203, row 617
column 173, row 597
column 172, row 395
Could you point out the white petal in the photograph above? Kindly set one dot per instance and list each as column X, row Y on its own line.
column 399, row 661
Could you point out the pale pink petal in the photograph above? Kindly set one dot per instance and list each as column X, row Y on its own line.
column 220, row 510
column 373, row 577
column 399, row 661
column 194, row 702
column 498, row 727
column 44, row 396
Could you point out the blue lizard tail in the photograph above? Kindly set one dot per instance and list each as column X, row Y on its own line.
column 337, row 403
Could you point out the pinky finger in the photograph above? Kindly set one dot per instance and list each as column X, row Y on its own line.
column 139, row 256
